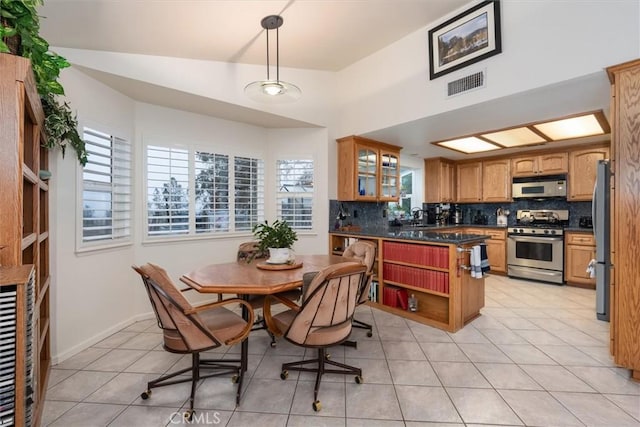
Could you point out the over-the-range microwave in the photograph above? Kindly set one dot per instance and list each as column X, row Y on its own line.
column 539, row 189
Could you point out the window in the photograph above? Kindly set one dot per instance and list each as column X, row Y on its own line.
column 167, row 190
column 106, row 189
column 212, row 192
column 249, row 192
column 295, row 193
column 227, row 195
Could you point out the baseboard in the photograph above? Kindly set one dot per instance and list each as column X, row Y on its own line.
column 61, row 357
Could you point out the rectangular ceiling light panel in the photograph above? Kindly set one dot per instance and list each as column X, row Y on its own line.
column 575, row 127
column 468, row 145
column 516, row 137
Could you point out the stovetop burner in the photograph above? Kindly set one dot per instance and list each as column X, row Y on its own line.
column 543, row 222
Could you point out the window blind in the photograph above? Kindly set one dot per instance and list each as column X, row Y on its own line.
column 295, row 193
column 106, row 188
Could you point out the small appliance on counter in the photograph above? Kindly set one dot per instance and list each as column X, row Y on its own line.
column 501, row 217
column 585, row 222
column 457, row 215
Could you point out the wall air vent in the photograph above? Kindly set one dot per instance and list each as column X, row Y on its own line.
column 464, row 84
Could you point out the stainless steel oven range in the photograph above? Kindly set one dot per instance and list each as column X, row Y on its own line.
column 535, row 245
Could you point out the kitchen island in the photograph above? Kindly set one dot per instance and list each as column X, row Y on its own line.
column 428, row 265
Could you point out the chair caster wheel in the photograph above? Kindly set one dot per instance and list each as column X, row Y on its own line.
column 145, row 394
column 317, row 406
column 369, row 334
column 234, row 379
column 188, row 415
column 359, row 379
column 284, row 375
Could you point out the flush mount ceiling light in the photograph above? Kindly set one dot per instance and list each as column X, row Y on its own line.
column 570, row 127
column 272, row 91
column 468, row 145
column 516, row 137
column 575, row 127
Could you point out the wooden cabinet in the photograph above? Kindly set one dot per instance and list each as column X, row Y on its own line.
column 447, row 296
column 439, row 185
column 24, row 232
column 543, row 164
column 582, row 172
column 580, row 249
column 368, row 170
column 625, row 305
column 496, row 180
column 496, row 247
column 469, row 178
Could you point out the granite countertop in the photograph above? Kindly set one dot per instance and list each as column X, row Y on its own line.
column 579, row 230
column 423, row 234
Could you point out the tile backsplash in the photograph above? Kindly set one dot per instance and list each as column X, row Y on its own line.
column 367, row 214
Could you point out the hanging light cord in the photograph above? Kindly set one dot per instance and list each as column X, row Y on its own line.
column 277, row 54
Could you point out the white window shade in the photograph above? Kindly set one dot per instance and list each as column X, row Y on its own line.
column 248, row 192
column 106, row 189
column 295, row 193
column 212, row 192
column 167, row 191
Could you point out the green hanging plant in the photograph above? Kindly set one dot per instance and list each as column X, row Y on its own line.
column 20, row 35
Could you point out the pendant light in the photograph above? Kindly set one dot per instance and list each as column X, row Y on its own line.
column 272, row 91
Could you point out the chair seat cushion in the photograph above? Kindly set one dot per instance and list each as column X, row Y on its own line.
column 317, row 336
column 223, row 324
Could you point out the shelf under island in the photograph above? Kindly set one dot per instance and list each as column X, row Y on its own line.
column 426, row 267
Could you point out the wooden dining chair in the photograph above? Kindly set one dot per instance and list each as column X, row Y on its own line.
column 191, row 330
column 323, row 320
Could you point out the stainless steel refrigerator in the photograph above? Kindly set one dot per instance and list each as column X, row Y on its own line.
column 602, row 231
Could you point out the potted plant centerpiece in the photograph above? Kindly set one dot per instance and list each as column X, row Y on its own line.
column 278, row 238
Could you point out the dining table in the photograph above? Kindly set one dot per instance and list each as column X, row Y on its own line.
column 256, row 277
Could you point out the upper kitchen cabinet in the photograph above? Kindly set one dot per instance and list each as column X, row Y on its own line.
column 368, row 170
column 469, row 182
column 582, row 172
column 496, row 179
column 440, row 176
column 544, row 164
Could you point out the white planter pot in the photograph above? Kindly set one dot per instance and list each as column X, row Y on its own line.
column 281, row 255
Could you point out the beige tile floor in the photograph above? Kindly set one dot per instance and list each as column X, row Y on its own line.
column 536, row 357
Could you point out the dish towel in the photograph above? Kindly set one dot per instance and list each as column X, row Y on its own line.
column 478, row 261
column 475, row 262
column 591, row 269
column 484, row 259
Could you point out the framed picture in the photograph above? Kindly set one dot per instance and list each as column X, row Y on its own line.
column 464, row 39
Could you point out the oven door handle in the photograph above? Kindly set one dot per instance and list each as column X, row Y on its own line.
column 535, row 239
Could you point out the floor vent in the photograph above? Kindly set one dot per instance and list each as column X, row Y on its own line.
column 466, row 83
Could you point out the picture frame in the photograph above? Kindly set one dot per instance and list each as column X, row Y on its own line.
column 469, row 37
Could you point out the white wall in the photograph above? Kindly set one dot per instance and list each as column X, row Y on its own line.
column 87, row 290
column 97, row 293
column 543, row 43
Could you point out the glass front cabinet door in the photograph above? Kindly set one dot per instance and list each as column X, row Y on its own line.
column 368, row 170
column 389, row 173
column 367, row 173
